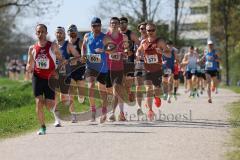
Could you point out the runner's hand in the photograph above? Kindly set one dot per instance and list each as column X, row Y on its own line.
column 99, row 50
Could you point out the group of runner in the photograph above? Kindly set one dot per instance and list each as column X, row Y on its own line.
column 114, row 61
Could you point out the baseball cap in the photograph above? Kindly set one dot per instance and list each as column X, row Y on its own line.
column 60, row 29
column 210, row 42
column 72, row 28
column 96, row 21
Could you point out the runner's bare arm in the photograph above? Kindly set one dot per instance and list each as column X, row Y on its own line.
column 138, row 52
column 56, row 50
column 84, row 47
column 176, row 57
column 30, row 61
column 185, row 60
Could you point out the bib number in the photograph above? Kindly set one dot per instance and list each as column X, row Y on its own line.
column 193, row 71
column 95, row 58
column 167, row 71
column 42, row 63
column 151, row 59
column 209, row 64
column 114, row 56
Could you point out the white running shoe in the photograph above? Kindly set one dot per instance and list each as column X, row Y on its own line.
column 57, row 124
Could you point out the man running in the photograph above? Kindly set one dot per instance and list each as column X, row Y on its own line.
column 41, row 61
column 77, row 68
column 211, row 66
column 97, row 68
column 64, row 80
column 190, row 60
column 116, row 66
column 129, row 66
column 168, row 70
column 152, row 47
column 140, row 70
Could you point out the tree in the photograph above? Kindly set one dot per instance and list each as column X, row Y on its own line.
column 136, row 11
column 225, row 28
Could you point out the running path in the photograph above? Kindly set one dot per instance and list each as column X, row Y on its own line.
column 201, row 134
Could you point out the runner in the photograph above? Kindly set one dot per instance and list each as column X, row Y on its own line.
column 176, row 75
column 129, row 66
column 139, row 70
column 77, row 68
column 152, row 48
column 66, row 49
column 201, row 77
column 41, row 61
column 211, row 66
column 190, row 60
column 168, row 71
column 97, row 68
column 116, row 66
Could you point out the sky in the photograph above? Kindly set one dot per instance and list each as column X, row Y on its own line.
column 79, row 12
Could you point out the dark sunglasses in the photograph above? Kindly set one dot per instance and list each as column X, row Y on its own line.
column 96, row 26
column 142, row 29
column 151, row 30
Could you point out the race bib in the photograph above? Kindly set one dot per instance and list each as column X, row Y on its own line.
column 42, row 63
column 62, row 70
column 209, row 64
column 167, row 71
column 95, row 58
column 193, row 71
column 151, row 59
column 115, row 56
column 73, row 62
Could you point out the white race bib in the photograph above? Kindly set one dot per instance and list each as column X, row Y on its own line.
column 42, row 63
column 115, row 56
column 167, row 71
column 151, row 59
column 193, row 71
column 95, row 58
column 209, row 64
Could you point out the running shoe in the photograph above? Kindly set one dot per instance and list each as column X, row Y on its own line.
column 122, row 117
column 139, row 112
column 209, row 100
column 151, row 115
column 112, row 118
column 93, row 117
column 175, row 96
column 103, row 118
column 169, row 99
column 165, row 96
column 74, row 118
column 57, row 124
column 42, row 131
column 157, row 101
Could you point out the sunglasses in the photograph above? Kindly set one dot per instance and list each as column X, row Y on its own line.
column 142, row 29
column 96, row 26
column 114, row 22
column 151, row 30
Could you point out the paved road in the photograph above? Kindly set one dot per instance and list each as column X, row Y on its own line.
column 186, row 129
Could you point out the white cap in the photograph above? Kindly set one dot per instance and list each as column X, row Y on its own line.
column 210, row 42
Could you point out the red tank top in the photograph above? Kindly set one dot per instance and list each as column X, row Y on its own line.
column 114, row 60
column 43, row 61
column 176, row 69
column 152, row 59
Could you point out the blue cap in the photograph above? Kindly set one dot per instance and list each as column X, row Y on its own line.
column 96, row 20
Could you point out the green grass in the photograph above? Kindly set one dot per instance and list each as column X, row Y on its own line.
column 17, row 108
column 235, row 122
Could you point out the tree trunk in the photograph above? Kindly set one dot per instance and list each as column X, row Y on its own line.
column 144, row 11
column 175, row 37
